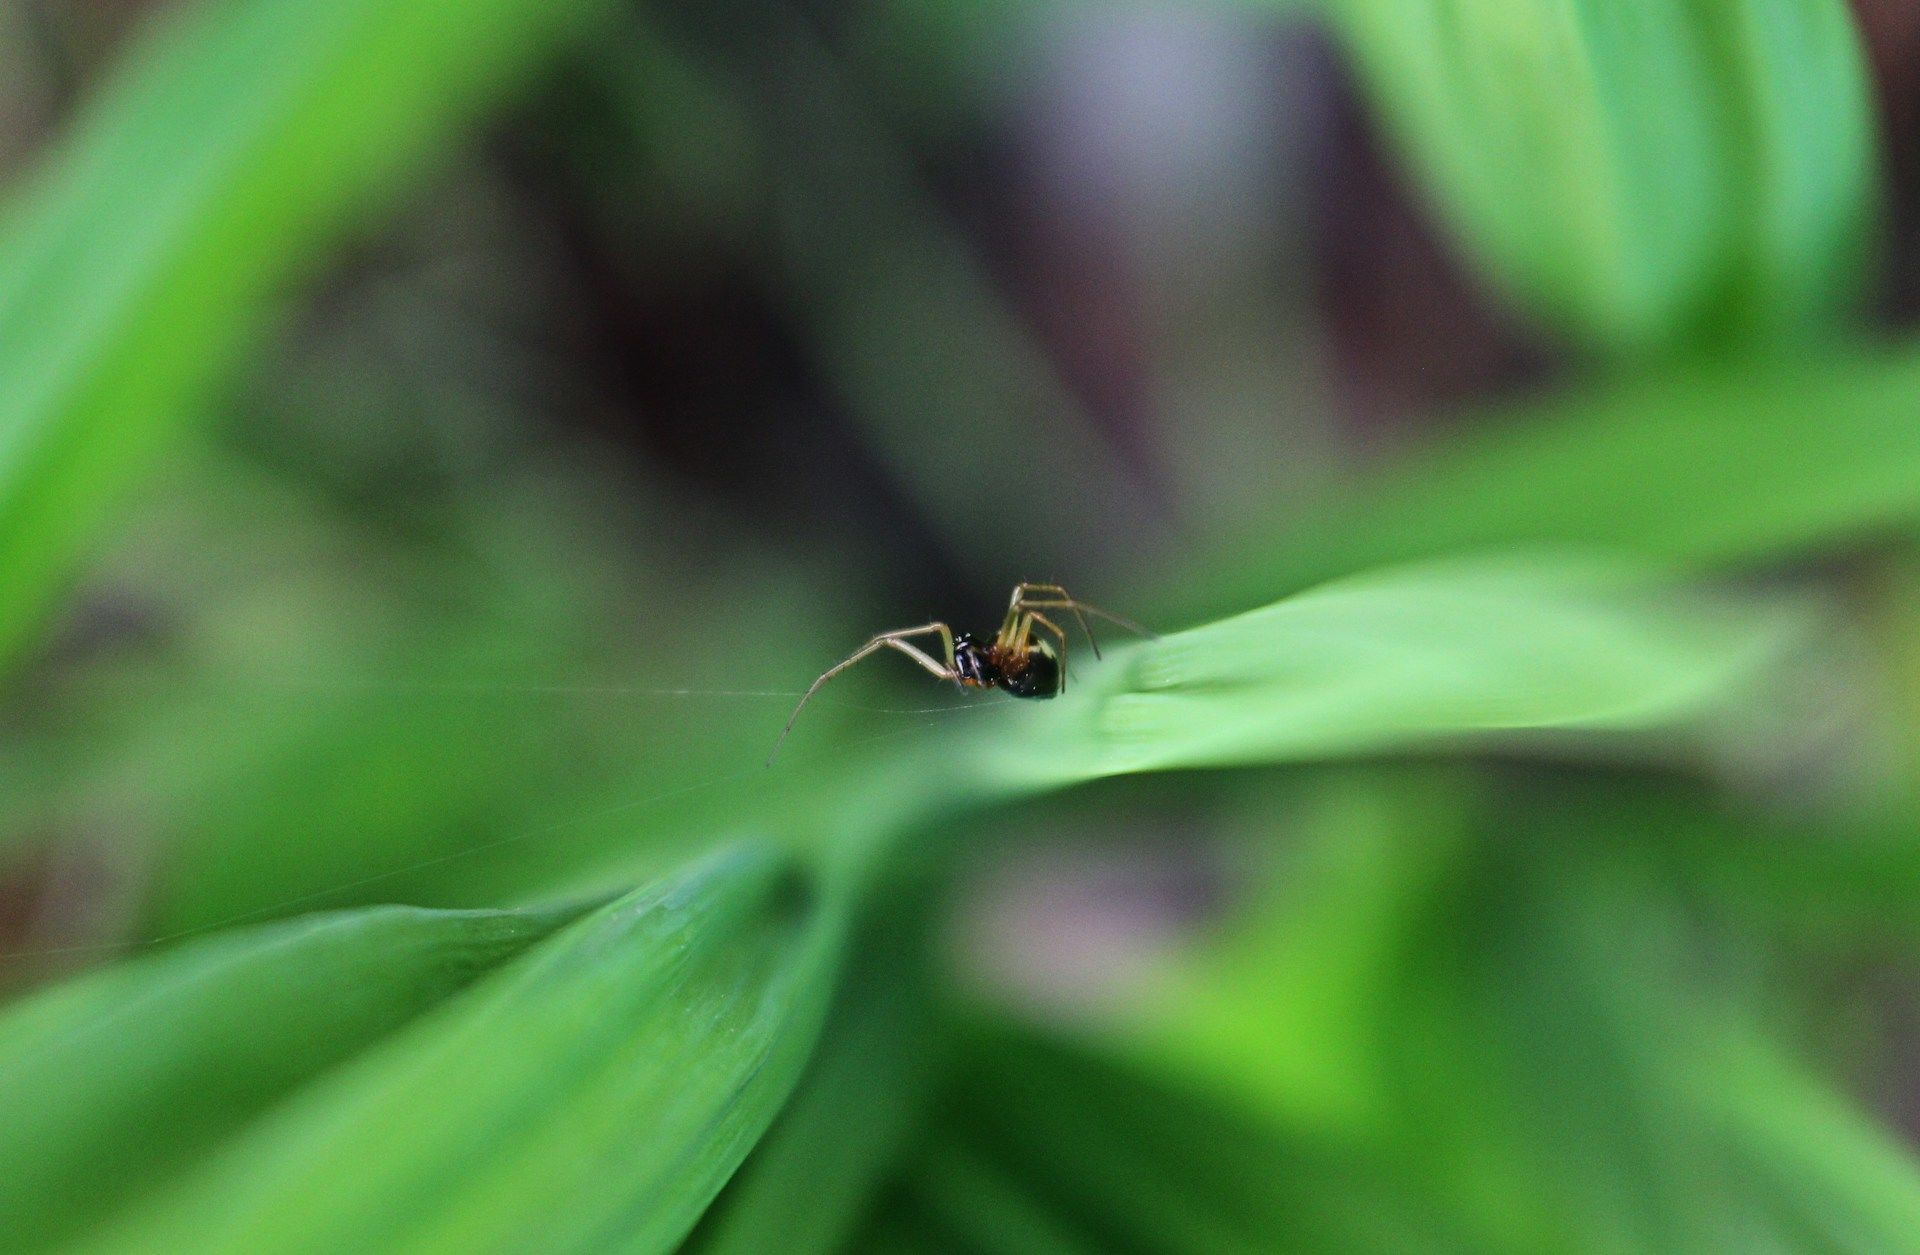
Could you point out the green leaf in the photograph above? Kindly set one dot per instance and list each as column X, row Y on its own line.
column 961, row 1190
column 1734, row 464
column 1836, row 1171
column 1572, row 1061
column 598, row 1092
column 1800, row 126
column 816, row 1173
column 239, row 140
column 1535, row 644
column 1650, row 1103
column 1637, row 172
column 1145, row 1163
column 113, row 1081
column 1301, row 971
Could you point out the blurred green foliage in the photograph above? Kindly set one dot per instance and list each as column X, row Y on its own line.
column 1648, row 175
column 238, row 142
column 95, row 1067
column 1565, row 767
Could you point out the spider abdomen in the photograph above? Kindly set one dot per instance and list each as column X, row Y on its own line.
column 1036, row 674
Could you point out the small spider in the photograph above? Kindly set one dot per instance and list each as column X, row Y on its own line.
column 1015, row 660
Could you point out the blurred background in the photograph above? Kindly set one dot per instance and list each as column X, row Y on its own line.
column 518, row 499
column 738, row 335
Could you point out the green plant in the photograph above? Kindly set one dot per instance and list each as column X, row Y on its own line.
column 1519, row 959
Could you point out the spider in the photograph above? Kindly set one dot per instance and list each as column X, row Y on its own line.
column 1016, row 660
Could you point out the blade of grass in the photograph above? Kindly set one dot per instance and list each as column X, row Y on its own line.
column 1703, row 1094
column 1632, row 170
column 239, row 141
column 903, row 1227
column 1713, row 466
column 1570, row 1064
column 1147, row 1165
column 817, row 1172
column 967, row 1193
column 112, row 1082
column 1523, row 643
column 1837, row 1170
column 596, row 1093
column 1302, row 970
column 1806, row 169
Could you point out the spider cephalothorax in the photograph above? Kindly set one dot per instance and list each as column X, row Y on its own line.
column 973, row 662
column 1016, row 661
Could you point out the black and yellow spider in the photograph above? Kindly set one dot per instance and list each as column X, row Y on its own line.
column 1017, row 660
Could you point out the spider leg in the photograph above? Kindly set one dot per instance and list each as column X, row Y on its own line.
column 1014, row 638
column 1010, row 624
column 1034, row 617
column 1078, row 606
column 1021, row 601
column 896, row 640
